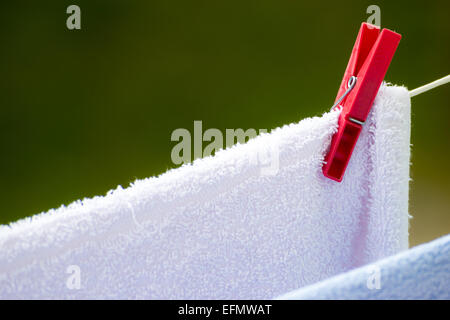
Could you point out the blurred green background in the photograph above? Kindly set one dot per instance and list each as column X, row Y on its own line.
column 85, row 110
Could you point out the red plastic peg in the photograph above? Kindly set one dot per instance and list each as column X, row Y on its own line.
column 370, row 59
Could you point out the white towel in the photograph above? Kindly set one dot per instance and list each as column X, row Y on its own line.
column 229, row 226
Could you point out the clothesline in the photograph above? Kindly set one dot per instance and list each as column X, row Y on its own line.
column 429, row 86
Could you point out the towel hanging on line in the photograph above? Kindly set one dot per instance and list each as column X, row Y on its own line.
column 223, row 227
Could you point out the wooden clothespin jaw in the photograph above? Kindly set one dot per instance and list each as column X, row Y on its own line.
column 370, row 59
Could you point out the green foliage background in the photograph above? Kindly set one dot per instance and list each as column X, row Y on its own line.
column 83, row 111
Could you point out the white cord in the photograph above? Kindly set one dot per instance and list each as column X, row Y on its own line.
column 429, row 86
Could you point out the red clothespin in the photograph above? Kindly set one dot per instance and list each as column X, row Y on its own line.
column 370, row 59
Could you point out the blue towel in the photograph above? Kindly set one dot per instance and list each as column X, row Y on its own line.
column 422, row 272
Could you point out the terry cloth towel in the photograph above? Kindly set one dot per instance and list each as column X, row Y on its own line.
column 420, row 273
column 253, row 222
